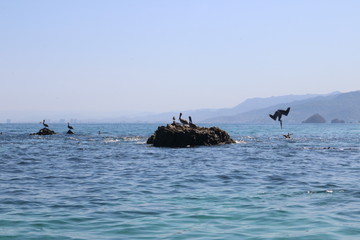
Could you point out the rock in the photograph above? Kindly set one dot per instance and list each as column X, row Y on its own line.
column 175, row 135
column 69, row 132
column 337, row 121
column 316, row 118
column 44, row 131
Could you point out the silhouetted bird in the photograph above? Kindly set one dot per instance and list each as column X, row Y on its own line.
column 278, row 114
column 183, row 121
column 287, row 135
column 45, row 125
column 191, row 123
column 70, row 127
column 174, row 123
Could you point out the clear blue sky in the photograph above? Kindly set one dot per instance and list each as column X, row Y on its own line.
column 149, row 55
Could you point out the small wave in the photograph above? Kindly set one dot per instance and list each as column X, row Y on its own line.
column 111, row 140
column 250, row 137
column 132, row 139
column 136, row 139
column 332, row 148
column 325, row 191
column 240, row 142
column 73, row 138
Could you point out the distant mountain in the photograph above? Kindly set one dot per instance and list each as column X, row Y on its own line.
column 258, row 103
column 336, row 105
column 316, row 118
column 206, row 115
column 339, row 105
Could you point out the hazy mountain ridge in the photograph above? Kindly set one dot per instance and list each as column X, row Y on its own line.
column 336, row 105
column 258, row 103
column 210, row 115
column 340, row 105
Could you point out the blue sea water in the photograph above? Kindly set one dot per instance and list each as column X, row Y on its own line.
column 114, row 186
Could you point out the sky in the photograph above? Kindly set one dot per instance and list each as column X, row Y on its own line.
column 120, row 56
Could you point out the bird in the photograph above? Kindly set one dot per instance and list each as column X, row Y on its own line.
column 183, row 121
column 278, row 114
column 45, row 125
column 191, row 123
column 70, row 127
column 174, row 123
column 287, row 135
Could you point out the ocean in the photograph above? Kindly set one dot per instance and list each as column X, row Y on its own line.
column 112, row 185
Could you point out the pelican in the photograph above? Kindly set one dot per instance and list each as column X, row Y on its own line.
column 45, row 125
column 70, row 127
column 278, row 114
column 183, row 121
column 191, row 123
column 287, row 135
column 174, row 123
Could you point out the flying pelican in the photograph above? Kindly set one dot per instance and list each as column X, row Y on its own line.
column 183, row 121
column 70, row 127
column 45, row 125
column 191, row 123
column 278, row 114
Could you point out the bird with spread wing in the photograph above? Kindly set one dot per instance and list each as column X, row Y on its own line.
column 278, row 114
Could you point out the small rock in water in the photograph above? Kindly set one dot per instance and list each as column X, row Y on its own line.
column 44, row 131
column 70, row 132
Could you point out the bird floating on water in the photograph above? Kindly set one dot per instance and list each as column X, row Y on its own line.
column 278, row 114
column 287, row 135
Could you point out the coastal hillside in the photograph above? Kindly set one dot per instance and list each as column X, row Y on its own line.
column 343, row 106
column 205, row 115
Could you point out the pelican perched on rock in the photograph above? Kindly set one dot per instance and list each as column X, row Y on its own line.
column 45, row 125
column 183, row 121
column 191, row 123
column 278, row 114
column 70, row 127
column 174, row 123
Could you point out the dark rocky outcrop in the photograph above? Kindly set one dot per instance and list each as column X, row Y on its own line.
column 316, row 118
column 69, row 132
column 175, row 135
column 336, row 120
column 44, row 131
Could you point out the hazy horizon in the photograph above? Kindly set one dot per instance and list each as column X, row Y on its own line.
column 114, row 117
column 74, row 58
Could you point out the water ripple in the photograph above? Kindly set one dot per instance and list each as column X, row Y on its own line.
column 113, row 186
